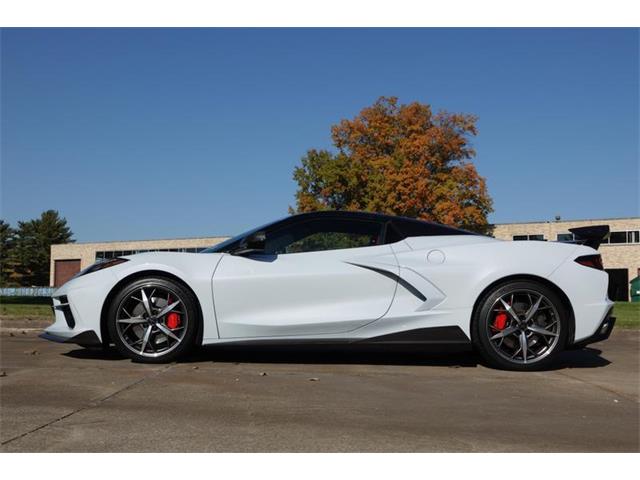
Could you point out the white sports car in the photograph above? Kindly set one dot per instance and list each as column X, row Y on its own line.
column 329, row 277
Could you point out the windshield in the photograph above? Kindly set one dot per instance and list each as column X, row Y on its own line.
column 233, row 242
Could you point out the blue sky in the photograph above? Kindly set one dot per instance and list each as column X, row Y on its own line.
column 157, row 133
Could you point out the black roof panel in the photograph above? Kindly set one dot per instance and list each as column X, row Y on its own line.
column 406, row 227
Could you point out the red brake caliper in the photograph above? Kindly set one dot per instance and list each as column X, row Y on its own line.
column 500, row 321
column 173, row 320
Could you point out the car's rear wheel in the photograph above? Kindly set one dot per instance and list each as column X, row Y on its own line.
column 520, row 325
column 153, row 320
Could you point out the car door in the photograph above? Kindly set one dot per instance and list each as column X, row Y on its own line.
column 315, row 277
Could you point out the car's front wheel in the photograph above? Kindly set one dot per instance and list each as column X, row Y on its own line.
column 520, row 325
column 153, row 320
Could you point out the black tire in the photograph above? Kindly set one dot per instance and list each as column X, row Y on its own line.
column 188, row 310
column 484, row 326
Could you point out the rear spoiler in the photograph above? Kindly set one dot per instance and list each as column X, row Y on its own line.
column 591, row 236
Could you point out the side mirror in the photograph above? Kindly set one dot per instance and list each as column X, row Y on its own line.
column 254, row 243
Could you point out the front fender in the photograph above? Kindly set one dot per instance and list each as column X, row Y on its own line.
column 193, row 269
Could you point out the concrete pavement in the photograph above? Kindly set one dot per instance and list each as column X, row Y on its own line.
column 63, row 398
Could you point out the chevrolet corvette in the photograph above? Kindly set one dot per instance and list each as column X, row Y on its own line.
column 347, row 277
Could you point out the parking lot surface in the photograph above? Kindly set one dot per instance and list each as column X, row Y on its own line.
column 63, row 398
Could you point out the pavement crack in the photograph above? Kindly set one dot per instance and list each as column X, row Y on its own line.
column 92, row 404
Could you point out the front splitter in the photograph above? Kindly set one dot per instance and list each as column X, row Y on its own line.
column 87, row 338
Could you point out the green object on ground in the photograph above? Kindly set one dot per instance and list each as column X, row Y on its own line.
column 634, row 289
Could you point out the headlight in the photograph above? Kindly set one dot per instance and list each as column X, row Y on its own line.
column 101, row 265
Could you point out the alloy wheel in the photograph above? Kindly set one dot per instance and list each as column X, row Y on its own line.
column 152, row 320
column 523, row 326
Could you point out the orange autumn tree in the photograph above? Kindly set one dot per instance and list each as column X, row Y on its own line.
column 398, row 159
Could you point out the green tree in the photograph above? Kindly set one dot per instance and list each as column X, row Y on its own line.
column 32, row 251
column 398, row 159
column 7, row 240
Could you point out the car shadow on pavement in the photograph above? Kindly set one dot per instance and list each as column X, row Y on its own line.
column 308, row 354
column 348, row 354
column 581, row 358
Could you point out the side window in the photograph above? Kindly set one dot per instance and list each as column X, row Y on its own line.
column 323, row 234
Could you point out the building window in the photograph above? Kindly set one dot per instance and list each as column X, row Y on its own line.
column 566, row 237
column 529, row 237
column 101, row 255
column 622, row 237
column 618, row 237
